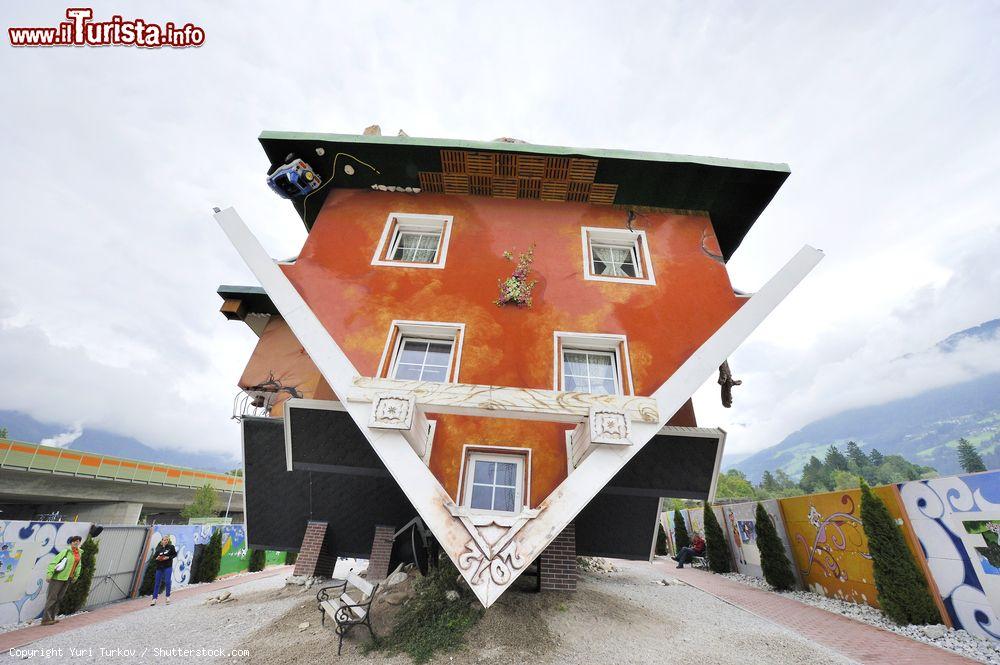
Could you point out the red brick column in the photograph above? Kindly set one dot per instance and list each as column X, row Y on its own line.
column 558, row 562
column 378, row 562
column 315, row 556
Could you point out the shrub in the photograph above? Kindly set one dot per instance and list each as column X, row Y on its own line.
column 210, row 560
column 429, row 622
column 902, row 588
column 291, row 558
column 148, row 578
column 661, row 539
column 258, row 559
column 75, row 597
column 681, row 537
column 715, row 543
column 774, row 561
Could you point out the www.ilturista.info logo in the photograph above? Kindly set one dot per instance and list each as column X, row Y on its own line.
column 81, row 30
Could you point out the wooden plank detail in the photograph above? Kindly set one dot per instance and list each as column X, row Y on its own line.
column 453, row 161
column 554, row 191
column 506, row 165
column 556, row 168
column 582, row 169
column 529, row 188
column 481, row 185
column 456, row 183
column 529, row 166
column 505, row 188
column 578, row 191
column 431, row 182
column 603, row 193
column 503, row 401
column 480, row 163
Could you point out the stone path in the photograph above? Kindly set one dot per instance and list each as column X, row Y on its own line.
column 855, row 640
column 18, row 638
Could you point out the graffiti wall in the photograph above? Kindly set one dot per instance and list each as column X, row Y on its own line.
column 957, row 520
column 235, row 555
column 26, row 548
column 184, row 537
column 829, row 545
column 741, row 531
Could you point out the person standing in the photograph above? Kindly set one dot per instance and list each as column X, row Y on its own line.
column 62, row 570
column 164, row 554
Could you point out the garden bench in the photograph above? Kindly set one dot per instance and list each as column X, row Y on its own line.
column 346, row 611
column 700, row 562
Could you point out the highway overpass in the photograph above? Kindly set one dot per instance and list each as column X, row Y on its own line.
column 38, row 480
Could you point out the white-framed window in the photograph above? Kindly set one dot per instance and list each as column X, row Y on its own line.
column 494, row 481
column 592, row 363
column 422, row 351
column 616, row 255
column 420, row 359
column 410, row 240
column 590, row 371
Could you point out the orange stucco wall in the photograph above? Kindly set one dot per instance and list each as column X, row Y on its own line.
column 357, row 302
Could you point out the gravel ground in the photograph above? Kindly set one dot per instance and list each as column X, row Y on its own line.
column 958, row 641
column 619, row 616
column 184, row 624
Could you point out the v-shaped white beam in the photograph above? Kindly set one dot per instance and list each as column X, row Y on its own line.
column 491, row 556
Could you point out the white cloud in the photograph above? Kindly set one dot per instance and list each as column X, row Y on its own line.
column 886, row 113
column 64, row 439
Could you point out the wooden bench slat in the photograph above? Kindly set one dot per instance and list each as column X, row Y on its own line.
column 361, row 584
column 358, row 611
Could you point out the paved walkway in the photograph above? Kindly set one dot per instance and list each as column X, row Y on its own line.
column 23, row 636
column 855, row 640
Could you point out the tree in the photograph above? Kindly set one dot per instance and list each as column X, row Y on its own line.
column 661, row 539
column 258, row 559
column 968, row 457
column 844, row 480
column 235, row 472
column 76, row 594
column 733, row 484
column 857, row 456
column 876, row 457
column 210, row 559
column 715, row 543
column 681, row 537
column 835, row 460
column 815, row 476
column 149, row 577
column 205, row 504
column 291, row 558
column 3, row 432
column 768, row 483
column 902, row 588
column 773, row 560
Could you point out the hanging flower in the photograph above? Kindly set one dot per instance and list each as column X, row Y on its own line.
column 516, row 289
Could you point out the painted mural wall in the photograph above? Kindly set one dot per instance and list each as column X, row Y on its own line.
column 829, row 544
column 741, row 531
column 235, row 552
column 957, row 520
column 26, row 548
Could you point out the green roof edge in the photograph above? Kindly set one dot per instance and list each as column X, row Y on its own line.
column 530, row 148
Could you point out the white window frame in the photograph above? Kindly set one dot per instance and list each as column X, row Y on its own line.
column 424, row 340
column 615, row 362
column 433, row 331
column 608, row 343
column 520, row 456
column 634, row 240
column 400, row 222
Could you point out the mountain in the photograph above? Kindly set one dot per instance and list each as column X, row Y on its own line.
column 924, row 428
column 25, row 428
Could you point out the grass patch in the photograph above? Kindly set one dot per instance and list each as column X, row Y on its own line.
column 429, row 622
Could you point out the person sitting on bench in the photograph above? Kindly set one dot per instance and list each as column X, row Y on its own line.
column 685, row 554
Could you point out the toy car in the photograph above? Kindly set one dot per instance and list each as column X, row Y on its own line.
column 292, row 179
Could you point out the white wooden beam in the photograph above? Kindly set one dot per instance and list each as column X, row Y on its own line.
column 467, row 399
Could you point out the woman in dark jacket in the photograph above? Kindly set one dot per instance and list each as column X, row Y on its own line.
column 164, row 555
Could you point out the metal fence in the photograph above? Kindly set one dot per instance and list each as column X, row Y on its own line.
column 120, row 558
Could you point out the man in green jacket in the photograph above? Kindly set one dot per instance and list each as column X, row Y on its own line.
column 61, row 571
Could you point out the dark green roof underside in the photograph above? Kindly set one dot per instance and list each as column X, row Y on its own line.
column 254, row 297
column 734, row 193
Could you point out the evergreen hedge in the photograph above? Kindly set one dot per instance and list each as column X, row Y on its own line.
column 661, row 539
column 716, row 548
column 681, row 537
column 902, row 588
column 76, row 594
column 258, row 559
column 291, row 558
column 148, row 577
column 210, row 560
column 777, row 569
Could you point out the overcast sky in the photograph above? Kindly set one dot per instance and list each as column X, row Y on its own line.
column 887, row 114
